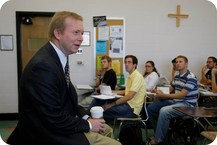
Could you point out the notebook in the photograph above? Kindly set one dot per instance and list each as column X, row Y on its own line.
column 165, row 90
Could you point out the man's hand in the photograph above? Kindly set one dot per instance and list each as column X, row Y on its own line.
column 159, row 95
column 98, row 125
column 99, row 72
column 204, row 68
column 108, row 105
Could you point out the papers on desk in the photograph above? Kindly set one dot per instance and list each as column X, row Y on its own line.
column 84, row 87
column 106, row 93
column 165, row 90
column 106, row 97
column 162, row 81
column 106, row 90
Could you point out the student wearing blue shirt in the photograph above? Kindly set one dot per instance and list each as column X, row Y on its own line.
column 186, row 94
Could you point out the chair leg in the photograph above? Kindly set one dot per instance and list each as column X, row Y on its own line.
column 145, row 127
column 114, row 123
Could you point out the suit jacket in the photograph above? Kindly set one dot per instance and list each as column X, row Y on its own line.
column 48, row 109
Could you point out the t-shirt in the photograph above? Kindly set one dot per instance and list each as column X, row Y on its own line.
column 110, row 79
column 187, row 81
column 136, row 83
column 151, row 80
column 208, row 74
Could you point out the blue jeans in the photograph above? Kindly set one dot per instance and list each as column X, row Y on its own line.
column 121, row 110
column 160, row 114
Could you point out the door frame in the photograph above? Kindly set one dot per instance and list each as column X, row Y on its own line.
column 19, row 16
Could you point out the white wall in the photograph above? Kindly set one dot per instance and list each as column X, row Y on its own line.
column 150, row 34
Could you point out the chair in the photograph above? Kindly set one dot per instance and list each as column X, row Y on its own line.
column 139, row 118
column 209, row 135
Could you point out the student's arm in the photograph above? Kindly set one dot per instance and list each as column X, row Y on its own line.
column 119, row 92
column 121, row 100
column 179, row 95
column 214, row 83
column 125, row 98
column 98, row 78
column 204, row 80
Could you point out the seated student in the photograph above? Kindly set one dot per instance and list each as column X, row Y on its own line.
column 214, row 80
column 109, row 78
column 174, row 71
column 186, row 94
column 210, row 101
column 151, row 75
column 130, row 105
column 207, row 69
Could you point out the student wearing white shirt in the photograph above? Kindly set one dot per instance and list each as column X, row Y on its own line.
column 151, row 75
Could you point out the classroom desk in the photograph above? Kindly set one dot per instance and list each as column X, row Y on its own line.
column 208, row 93
column 83, row 91
column 199, row 112
column 207, row 98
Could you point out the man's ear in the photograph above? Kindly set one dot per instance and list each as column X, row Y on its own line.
column 135, row 66
column 57, row 34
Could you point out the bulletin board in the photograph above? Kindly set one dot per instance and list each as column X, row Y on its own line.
column 108, row 42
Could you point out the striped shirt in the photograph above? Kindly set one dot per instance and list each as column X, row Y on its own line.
column 187, row 81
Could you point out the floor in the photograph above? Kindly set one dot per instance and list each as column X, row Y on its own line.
column 6, row 128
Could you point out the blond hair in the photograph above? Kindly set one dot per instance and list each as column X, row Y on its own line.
column 58, row 22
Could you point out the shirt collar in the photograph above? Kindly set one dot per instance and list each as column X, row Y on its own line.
column 61, row 55
column 131, row 75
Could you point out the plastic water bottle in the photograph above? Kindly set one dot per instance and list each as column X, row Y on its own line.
column 122, row 80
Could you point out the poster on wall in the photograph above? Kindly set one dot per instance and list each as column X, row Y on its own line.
column 109, row 40
column 99, row 21
column 100, row 47
column 116, row 47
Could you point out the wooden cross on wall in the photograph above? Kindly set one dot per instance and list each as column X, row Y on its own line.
column 178, row 15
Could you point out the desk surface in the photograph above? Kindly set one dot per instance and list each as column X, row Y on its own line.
column 197, row 111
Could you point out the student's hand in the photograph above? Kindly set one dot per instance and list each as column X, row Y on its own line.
column 99, row 73
column 98, row 125
column 204, row 68
column 159, row 93
column 153, row 90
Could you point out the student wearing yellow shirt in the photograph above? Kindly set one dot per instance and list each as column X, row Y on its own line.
column 130, row 105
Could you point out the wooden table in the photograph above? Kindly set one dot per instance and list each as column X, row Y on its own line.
column 199, row 112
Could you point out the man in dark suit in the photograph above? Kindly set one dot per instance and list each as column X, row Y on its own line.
column 48, row 109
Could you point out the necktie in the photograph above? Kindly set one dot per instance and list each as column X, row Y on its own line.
column 67, row 72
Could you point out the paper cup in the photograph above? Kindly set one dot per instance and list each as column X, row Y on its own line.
column 97, row 112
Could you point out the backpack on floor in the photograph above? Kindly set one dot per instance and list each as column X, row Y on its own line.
column 184, row 131
column 131, row 133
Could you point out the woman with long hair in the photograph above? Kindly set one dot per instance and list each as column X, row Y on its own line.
column 151, row 75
